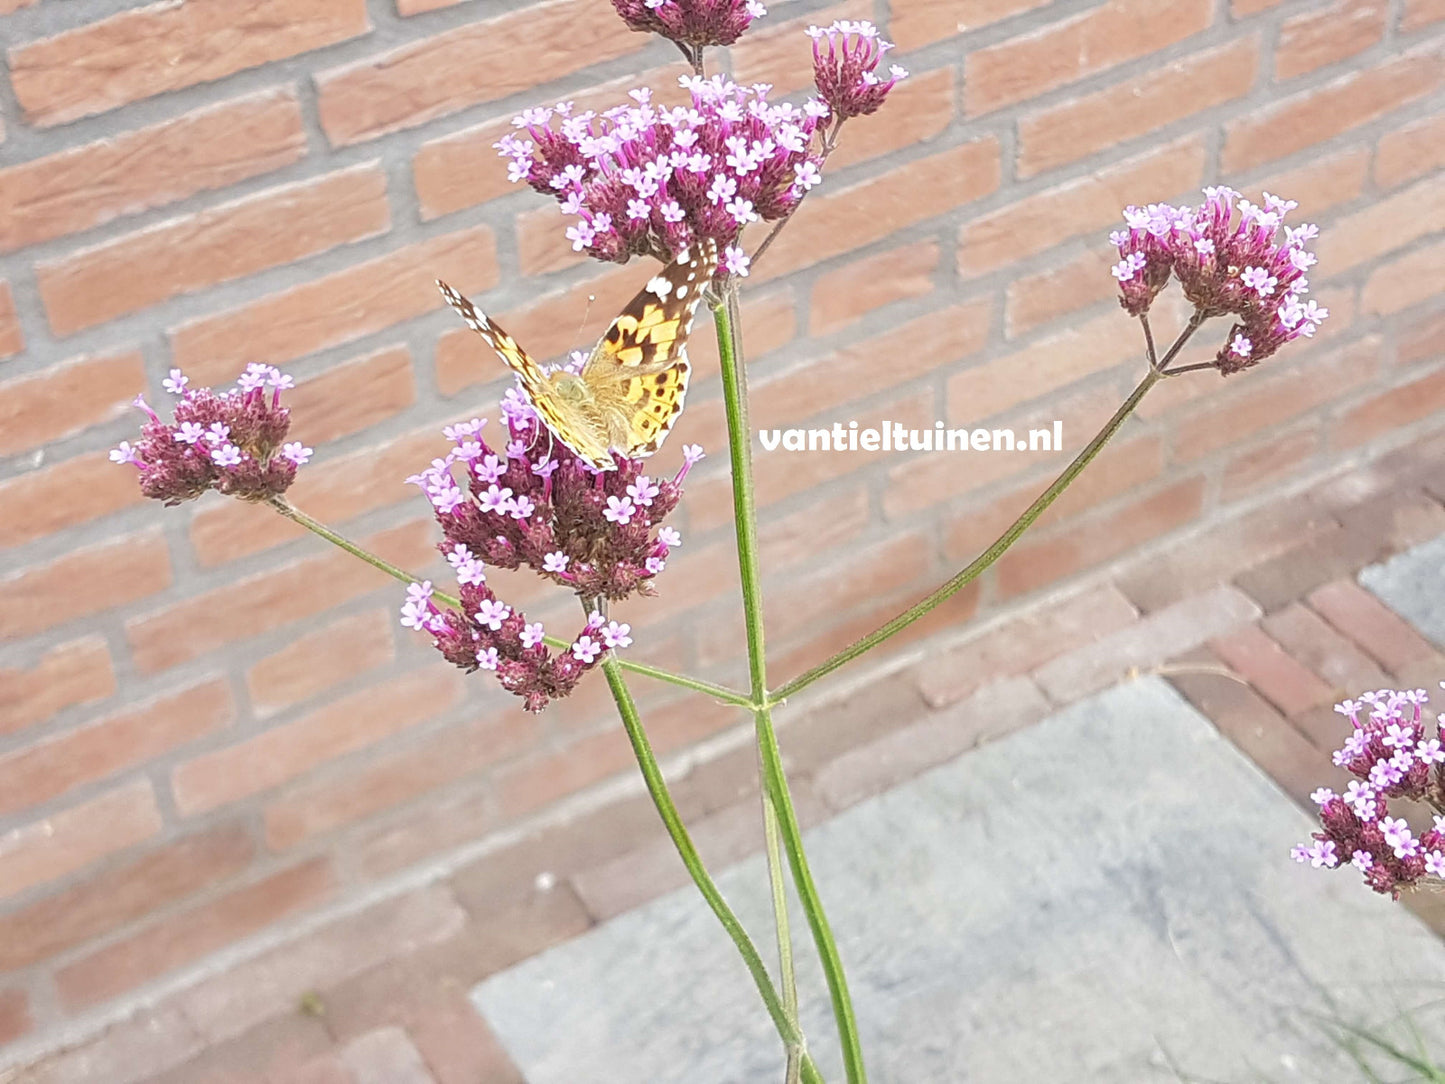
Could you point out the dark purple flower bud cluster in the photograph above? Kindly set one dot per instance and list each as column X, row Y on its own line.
column 695, row 23
column 649, row 180
column 1231, row 258
column 847, row 73
column 232, row 441
column 1393, row 755
column 536, row 503
column 487, row 634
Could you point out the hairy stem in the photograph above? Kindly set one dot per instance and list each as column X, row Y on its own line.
column 1005, row 540
column 775, row 783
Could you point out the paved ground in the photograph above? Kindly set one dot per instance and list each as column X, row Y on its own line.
column 1307, row 600
column 1081, row 901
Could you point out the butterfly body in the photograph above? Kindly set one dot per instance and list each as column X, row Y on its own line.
column 632, row 386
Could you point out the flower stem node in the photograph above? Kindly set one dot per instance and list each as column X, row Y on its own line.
column 232, row 441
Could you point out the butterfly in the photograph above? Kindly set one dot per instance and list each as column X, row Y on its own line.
column 631, row 388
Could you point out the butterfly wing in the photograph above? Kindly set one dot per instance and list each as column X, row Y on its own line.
column 638, row 373
column 584, row 435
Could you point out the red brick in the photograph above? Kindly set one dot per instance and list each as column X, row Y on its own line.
column 12, row 339
column 66, row 841
column 919, row 108
column 280, row 1051
column 288, row 750
column 42, row 502
column 1313, row 116
column 84, row 582
column 270, row 985
column 352, row 396
column 385, row 1056
column 1264, row 664
column 474, row 63
column 1420, row 339
column 1054, row 361
column 1325, row 181
column 777, row 477
column 463, row 169
column 333, row 491
column 190, row 254
column 916, row 23
column 1389, row 223
column 9, row 6
column 847, row 294
column 1093, row 41
column 1081, row 206
column 1406, row 281
column 134, row 171
column 1308, row 638
column 1390, row 641
column 187, row 936
column 15, row 1019
column 533, row 782
column 1257, row 730
column 1022, row 643
column 1268, row 399
column 66, row 399
column 150, row 50
column 61, row 762
column 321, row 660
column 269, row 600
column 1062, row 288
column 1032, row 564
column 1411, row 151
column 391, row 779
column 1268, row 463
column 542, row 245
column 123, row 894
column 1329, row 35
column 777, row 52
column 1390, row 410
column 78, row 672
column 1421, row 13
column 1077, row 128
column 828, row 224
column 336, row 309
column 416, row 7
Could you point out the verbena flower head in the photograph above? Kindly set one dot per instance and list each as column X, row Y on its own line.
column 1231, row 258
column 648, row 180
column 232, row 441
column 847, row 72
column 487, row 634
column 695, row 23
column 1394, row 754
column 533, row 502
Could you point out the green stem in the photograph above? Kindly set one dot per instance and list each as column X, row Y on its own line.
column 987, row 557
column 672, row 821
column 775, row 783
column 291, row 512
column 785, row 939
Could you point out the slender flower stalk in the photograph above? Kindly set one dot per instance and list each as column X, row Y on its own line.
column 667, row 810
column 775, row 782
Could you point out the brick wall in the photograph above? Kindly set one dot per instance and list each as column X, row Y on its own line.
column 211, row 726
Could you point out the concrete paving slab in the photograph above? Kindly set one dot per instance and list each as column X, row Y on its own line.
column 1085, row 900
column 1412, row 584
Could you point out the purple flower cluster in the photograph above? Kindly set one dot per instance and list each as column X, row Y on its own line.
column 693, row 23
column 535, row 503
column 649, row 180
column 233, row 441
column 1392, row 755
column 487, row 634
column 1231, row 258
column 847, row 73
